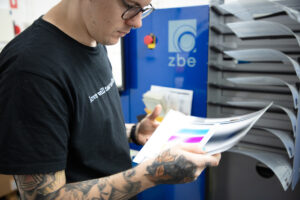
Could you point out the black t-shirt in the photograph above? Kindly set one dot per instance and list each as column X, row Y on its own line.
column 59, row 107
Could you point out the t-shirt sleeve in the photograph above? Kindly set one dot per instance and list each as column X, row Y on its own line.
column 34, row 130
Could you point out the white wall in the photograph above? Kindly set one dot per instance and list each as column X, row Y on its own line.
column 4, row 4
column 26, row 12
column 29, row 10
column 38, row 7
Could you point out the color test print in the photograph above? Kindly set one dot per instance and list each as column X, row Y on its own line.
column 188, row 135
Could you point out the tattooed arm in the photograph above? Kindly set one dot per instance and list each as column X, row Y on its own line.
column 53, row 186
column 180, row 164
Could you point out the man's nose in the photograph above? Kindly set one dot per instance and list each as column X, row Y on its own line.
column 136, row 21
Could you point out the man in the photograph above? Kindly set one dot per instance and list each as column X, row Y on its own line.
column 62, row 131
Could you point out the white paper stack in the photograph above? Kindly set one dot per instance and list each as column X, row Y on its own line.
column 169, row 98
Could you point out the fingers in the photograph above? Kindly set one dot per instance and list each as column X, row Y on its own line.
column 218, row 156
column 155, row 113
column 195, row 153
column 193, row 148
column 211, row 160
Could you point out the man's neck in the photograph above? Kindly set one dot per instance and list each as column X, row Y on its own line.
column 66, row 17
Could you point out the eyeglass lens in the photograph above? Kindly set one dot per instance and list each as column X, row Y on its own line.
column 133, row 11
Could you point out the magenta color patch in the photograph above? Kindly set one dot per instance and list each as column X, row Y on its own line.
column 193, row 140
column 186, row 140
column 173, row 138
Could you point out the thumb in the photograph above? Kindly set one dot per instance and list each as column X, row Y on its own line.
column 192, row 148
column 155, row 113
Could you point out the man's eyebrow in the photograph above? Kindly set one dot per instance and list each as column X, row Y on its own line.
column 134, row 2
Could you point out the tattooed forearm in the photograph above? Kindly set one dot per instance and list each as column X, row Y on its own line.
column 36, row 185
column 168, row 169
column 48, row 187
column 131, row 186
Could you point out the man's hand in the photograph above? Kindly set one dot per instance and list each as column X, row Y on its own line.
column 147, row 126
column 182, row 163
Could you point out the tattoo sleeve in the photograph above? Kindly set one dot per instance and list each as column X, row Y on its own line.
column 169, row 169
column 53, row 186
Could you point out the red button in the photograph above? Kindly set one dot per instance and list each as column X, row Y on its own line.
column 148, row 39
column 17, row 29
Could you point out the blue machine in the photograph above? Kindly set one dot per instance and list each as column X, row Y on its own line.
column 175, row 55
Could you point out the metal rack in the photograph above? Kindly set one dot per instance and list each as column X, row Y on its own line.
column 238, row 173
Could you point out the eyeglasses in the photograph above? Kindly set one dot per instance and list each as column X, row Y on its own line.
column 133, row 11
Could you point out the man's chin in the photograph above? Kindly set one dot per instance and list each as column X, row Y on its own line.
column 112, row 41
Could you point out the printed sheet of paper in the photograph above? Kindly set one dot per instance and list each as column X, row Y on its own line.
column 220, row 134
column 263, row 55
column 222, row 142
column 289, row 113
column 293, row 14
column 247, row 10
column 291, row 7
column 175, row 128
column 232, row 125
column 246, row 29
column 265, row 80
column 169, row 98
column 293, row 4
column 285, row 138
column 278, row 163
column 296, row 164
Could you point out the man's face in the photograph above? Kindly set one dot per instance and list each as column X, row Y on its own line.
column 103, row 20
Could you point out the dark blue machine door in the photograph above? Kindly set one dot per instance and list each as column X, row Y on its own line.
column 178, row 60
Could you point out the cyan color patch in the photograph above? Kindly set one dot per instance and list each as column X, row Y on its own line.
column 193, row 131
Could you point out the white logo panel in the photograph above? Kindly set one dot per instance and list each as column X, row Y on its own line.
column 182, row 35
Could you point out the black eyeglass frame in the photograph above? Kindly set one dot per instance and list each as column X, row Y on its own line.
column 136, row 10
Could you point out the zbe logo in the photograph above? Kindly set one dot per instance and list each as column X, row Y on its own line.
column 182, row 41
